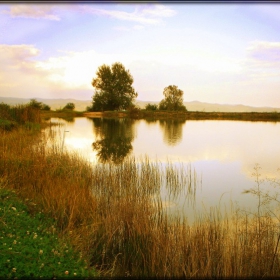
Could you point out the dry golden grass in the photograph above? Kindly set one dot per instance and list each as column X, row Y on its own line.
column 116, row 218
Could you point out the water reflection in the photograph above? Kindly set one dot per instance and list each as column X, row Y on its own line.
column 172, row 131
column 114, row 137
column 223, row 153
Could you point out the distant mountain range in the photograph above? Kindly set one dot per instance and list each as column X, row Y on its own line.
column 191, row 106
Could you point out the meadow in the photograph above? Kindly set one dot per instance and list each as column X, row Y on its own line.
column 113, row 216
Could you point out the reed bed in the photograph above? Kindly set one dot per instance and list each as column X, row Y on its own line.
column 116, row 219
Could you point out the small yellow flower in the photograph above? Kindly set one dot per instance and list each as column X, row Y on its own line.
column 14, row 208
column 66, row 272
column 41, row 252
column 75, row 273
column 14, row 270
column 15, row 242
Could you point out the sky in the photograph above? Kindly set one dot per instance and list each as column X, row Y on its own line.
column 226, row 53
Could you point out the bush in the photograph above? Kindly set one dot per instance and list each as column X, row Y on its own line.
column 46, row 107
column 69, row 106
column 151, row 107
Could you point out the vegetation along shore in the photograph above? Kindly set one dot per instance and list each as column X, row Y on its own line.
column 189, row 115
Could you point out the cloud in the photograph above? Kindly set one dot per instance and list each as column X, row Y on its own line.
column 72, row 70
column 17, row 60
column 142, row 14
column 33, row 11
column 65, row 76
column 18, row 73
column 149, row 14
column 264, row 51
column 16, row 53
column 68, row 73
column 76, row 69
column 159, row 11
column 263, row 59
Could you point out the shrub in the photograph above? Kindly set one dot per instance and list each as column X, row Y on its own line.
column 151, row 107
column 69, row 106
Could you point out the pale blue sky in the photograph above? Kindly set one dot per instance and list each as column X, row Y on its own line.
column 218, row 53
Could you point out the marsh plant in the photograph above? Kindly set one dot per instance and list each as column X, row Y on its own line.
column 117, row 218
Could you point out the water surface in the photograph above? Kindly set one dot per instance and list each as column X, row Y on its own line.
column 222, row 153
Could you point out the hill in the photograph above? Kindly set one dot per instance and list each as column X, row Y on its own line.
column 80, row 105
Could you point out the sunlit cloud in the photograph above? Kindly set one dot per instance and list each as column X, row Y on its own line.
column 16, row 54
column 19, row 75
column 75, row 69
column 22, row 74
column 263, row 59
column 148, row 14
column 158, row 11
column 33, row 11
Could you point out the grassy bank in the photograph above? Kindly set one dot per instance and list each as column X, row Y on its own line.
column 21, row 115
column 33, row 238
column 144, row 114
column 117, row 219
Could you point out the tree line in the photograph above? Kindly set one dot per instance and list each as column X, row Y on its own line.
column 114, row 91
column 42, row 106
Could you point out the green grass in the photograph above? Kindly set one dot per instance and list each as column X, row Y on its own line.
column 7, row 125
column 30, row 246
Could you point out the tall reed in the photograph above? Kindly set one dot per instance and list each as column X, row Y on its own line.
column 116, row 218
column 20, row 113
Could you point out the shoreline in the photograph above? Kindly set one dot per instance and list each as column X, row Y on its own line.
column 189, row 115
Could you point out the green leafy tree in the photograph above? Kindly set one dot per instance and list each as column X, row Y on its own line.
column 173, row 100
column 151, row 107
column 69, row 106
column 113, row 88
column 46, row 107
column 38, row 105
column 35, row 104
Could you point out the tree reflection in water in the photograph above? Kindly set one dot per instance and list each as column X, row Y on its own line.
column 114, row 139
column 172, row 131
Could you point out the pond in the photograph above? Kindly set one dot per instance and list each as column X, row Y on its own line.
column 223, row 154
